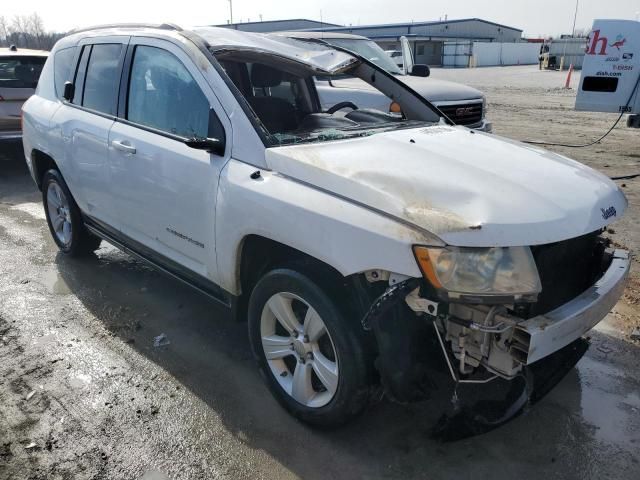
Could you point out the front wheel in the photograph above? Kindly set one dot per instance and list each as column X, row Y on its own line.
column 309, row 354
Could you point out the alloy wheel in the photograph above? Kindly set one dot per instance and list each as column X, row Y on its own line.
column 299, row 350
column 59, row 213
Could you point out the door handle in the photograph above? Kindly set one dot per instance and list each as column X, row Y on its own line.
column 123, row 147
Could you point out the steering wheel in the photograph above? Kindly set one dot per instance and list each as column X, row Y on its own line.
column 340, row 106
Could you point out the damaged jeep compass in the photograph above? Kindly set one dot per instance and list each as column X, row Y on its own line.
column 370, row 253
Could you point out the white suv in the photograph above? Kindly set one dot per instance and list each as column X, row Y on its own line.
column 369, row 252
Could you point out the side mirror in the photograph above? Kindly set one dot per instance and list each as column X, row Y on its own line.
column 211, row 145
column 69, row 91
column 420, row 70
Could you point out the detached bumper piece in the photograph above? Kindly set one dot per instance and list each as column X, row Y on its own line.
column 491, row 405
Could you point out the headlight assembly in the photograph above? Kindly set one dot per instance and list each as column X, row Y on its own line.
column 480, row 272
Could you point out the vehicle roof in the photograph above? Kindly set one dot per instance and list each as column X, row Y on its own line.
column 23, row 52
column 320, row 58
column 133, row 29
column 320, row 35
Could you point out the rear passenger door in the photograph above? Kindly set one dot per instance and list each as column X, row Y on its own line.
column 85, row 122
column 166, row 191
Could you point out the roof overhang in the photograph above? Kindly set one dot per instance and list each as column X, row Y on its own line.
column 319, row 58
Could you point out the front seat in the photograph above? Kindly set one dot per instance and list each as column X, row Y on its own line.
column 277, row 114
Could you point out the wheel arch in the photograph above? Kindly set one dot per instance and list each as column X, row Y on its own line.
column 41, row 163
column 258, row 254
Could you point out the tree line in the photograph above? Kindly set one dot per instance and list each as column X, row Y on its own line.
column 26, row 31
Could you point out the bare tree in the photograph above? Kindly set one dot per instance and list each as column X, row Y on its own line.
column 27, row 31
column 36, row 29
column 19, row 25
column 4, row 29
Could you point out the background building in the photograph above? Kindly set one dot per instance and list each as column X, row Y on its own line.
column 443, row 42
column 279, row 25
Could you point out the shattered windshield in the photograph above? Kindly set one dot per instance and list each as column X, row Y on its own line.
column 340, row 134
column 369, row 50
column 289, row 108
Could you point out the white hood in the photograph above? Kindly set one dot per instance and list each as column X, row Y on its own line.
column 433, row 90
column 467, row 188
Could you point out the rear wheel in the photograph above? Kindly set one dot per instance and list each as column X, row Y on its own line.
column 311, row 357
column 64, row 218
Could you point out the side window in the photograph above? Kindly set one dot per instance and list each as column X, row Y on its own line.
column 102, row 78
column 163, row 95
column 62, row 68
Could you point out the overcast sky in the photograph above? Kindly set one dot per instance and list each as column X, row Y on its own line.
column 538, row 17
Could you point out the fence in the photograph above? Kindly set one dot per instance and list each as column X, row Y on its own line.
column 572, row 49
column 488, row 54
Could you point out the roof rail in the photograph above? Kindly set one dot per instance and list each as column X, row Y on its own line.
column 162, row 26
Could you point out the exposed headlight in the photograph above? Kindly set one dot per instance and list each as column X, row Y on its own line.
column 502, row 271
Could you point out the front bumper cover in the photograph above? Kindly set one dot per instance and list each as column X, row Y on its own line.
column 539, row 337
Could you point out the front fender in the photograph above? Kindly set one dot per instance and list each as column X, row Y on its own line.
column 346, row 236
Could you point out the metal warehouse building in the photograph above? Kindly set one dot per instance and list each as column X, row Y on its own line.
column 279, row 25
column 428, row 39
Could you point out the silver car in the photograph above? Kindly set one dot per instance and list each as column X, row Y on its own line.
column 19, row 73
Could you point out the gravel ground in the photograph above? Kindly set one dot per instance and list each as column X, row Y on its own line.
column 84, row 394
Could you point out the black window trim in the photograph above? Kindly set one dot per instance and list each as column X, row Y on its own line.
column 123, row 97
column 78, row 72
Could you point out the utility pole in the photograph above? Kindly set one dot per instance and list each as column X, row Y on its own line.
column 573, row 34
column 231, row 11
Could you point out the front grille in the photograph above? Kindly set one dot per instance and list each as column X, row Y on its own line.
column 463, row 113
column 566, row 269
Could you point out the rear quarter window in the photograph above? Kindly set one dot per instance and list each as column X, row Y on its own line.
column 63, row 68
column 20, row 72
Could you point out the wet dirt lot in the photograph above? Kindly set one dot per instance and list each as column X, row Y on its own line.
column 84, row 394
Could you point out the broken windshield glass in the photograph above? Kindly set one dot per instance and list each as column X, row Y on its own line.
column 280, row 89
column 337, row 134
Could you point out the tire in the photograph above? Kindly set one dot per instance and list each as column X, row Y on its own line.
column 64, row 218
column 317, row 368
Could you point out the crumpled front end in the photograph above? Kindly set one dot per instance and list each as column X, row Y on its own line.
column 496, row 358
